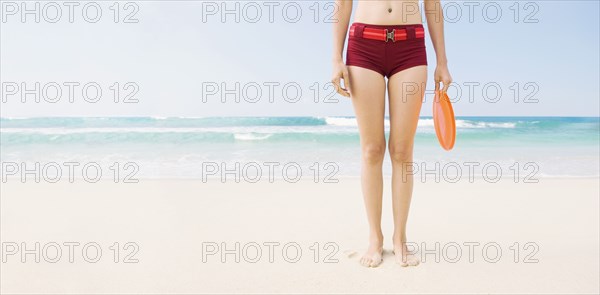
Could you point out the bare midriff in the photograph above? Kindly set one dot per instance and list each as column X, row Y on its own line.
column 388, row 12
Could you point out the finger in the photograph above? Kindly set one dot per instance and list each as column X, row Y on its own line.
column 336, row 84
column 344, row 92
column 446, row 85
column 347, row 82
column 339, row 89
column 335, row 81
column 437, row 86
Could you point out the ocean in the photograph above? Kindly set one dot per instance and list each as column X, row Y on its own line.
column 319, row 148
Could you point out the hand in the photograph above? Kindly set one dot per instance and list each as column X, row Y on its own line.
column 442, row 75
column 340, row 72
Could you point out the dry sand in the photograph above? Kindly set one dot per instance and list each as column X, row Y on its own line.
column 174, row 223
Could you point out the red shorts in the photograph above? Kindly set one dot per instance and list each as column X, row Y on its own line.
column 386, row 58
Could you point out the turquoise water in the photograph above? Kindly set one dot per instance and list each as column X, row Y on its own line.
column 475, row 130
column 176, row 147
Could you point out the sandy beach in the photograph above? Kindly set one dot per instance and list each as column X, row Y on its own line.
column 172, row 93
column 171, row 235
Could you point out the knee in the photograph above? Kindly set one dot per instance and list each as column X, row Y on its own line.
column 401, row 153
column 373, row 153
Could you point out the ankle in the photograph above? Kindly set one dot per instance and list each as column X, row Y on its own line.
column 376, row 237
column 399, row 239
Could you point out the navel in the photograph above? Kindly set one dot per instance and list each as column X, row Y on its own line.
column 389, row 10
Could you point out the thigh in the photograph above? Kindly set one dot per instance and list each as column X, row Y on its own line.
column 368, row 99
column 406, row 91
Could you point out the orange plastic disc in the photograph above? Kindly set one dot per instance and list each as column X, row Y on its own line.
column 443, row 120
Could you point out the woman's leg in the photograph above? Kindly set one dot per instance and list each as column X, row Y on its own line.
column 368, row 99
column 406, row 90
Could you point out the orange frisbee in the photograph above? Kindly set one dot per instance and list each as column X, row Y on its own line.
column 443, row 120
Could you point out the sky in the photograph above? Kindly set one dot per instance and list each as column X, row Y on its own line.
column 191, row 59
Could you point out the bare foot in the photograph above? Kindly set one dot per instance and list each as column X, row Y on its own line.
column 374, row 255
column 405, row 257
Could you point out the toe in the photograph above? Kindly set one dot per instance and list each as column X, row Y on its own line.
column 401, row 260
column 413, row 261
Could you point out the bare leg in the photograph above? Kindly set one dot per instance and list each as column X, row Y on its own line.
column 406, row 90
column 368, row 99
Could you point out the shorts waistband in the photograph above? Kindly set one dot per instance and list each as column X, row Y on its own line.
column 403, row 26
column 387, row 32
